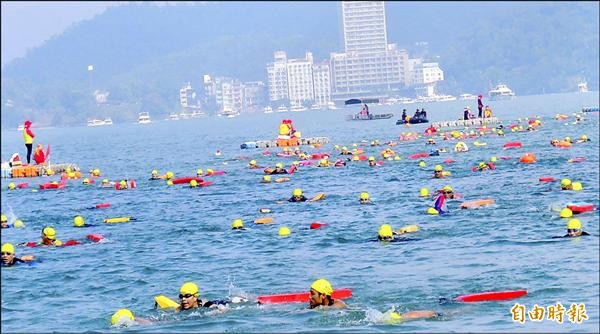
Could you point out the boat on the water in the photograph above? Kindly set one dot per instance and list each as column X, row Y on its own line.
column 501, row 92
column 282, row 108
column 100, row 122
column 590, row 109
column 144, row 118
column 467, row 96
column 413, row 120
column 268, row 110
column 364, row 114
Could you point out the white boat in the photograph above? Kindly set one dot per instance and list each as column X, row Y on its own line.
column 501, row 92
column 108, row 121
column 198, row 114
column 268, row 110
column 467, row 96
column 173, row 117
column 582, row 87
column 282, row 108
column 144, row 118
column 21, row 127
column 97, row 122
column 297, row 107
column 331, row 105
column 315, row 107
column 443, row 98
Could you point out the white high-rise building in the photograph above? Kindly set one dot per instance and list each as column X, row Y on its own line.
column 364, row 26
column 300, row 79
column 369, row 65
column 322, row 84
column 277, row 77
column 229, row 95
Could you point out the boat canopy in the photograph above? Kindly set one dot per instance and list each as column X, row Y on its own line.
column 360, row 101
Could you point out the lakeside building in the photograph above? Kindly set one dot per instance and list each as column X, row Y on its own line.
column 322, row 84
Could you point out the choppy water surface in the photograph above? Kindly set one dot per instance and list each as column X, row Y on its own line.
column 184, row 234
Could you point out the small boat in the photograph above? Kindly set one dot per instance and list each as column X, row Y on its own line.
column 331, row 105
column 96, row 122
column 467, row 96
column 297, row 107
column 501, row 92
column 413, row 120
column 282, row 108
column 370, row 117
column 315, row 107
column 108, row 121
column 590, row 109
column 173, row 117
column 268, row 110
column 144, row 118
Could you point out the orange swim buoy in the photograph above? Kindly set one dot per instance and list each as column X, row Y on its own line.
column 528, row 158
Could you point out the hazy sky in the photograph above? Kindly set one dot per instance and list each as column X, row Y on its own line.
column 27, row 24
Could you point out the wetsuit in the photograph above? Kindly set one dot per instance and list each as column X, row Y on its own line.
column 15, row 261
column 480, row 107
column 275, row 171
column 301, row 199
column 466, row 114
column 574, row 236
column 396, row 239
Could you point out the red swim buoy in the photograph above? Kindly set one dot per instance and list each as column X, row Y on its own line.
column 448, row 161
column 418, row 155
column 22, row 185
column 94, row 237
column 102, row 205
column 579, row 208
column 514, row 144
column 546, row 179
column 316, row 225
column 132, row 183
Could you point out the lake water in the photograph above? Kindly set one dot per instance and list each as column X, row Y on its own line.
column 184, row 234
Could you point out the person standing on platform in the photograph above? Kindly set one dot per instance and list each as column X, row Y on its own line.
column 28, row 137
column 480, row 106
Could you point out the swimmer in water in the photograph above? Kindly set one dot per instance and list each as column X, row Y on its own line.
column 9, row 257
column 574, row 229
column 566, row 184
column 320, row 296
column 297, row 196
column 372, row 162
column 188, row 295
column 365, row 198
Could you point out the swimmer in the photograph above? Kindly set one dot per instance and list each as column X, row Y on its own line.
column 78, row 221
column 266, row 179
column 574, row 229
column 583, row 139
column 484, row 165
column 365, row 198
column 218, row 153
column 4, row 221
column 440, row 199
column 154, row 175
column 278, row 169
column 345, row 151
column 438, row 172
column 252, row 164
column 237, row 225
column 386, row 233
column 340, row 163
column 297, row 196
column 124, row 317
column 430, row 141
column 106, row 184
column 9, row 257
column 188, row 295
column 372, row 161
column 320, row 295
column 566, row 184
column 324, row 163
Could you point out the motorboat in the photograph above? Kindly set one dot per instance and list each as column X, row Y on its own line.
column 297, row 107
column 173, row 117
column 282, row 108
column 108, row 121
column 144, row 118
column 467, row 96
column 268, row 110
column 97, row 122
column 501, row 92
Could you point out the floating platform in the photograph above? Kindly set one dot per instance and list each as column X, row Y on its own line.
column 35, row 170
column 465, row 123
column 275, row 143
column 590, row 109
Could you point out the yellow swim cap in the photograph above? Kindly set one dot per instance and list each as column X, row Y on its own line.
column 18, row 224
column 438, row 168
column 3, row 218
column 577, row 186
column 355, row 158
column 284, row 231
column 86, row 181
column 584, row 137
column 68, row 170
column 209, row 171
column 336, row 146
column 297, row 192
column 447, row 188
column 295, row 163
column 199, row 171
column 364, row 195
column 482, row 164
column 237, row 224
column 78, row 221
column 169, row 175
column 568, row 139
column 193, row 183
column 424, row 192
column 253, row 162
column 104, row 180
column 8, row 248
column 422, row 164
column 323, row 162
column 49, row 232
column 565, row 182
column 385, row 231
column 96, row 172
column 169, row 182
column 566, row 213
column 71, row 175
column 123, row 184
column 120, row 315
column 493, row 159
column 154, row 172
column 371, row 158
column 11, row 186
column 572, row 224
column 322, row 286
column 279, row 165
column 267, row 178
column 396, row 158
column 345, row 148
column 189, row 288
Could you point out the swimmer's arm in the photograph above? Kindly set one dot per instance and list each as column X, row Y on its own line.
column 27, row 258
column 419, row 315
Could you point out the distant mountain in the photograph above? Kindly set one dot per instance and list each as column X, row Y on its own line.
column 142, row 53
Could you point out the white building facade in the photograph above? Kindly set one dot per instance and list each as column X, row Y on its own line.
column 277, row 77
column 322, row 83
column 300, row 79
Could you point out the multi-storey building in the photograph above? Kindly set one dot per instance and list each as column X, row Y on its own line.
column 254, row 96
column 364, row 26
column 300, row 79
column 229, row 93
column 322, row 83
column 425, row 76
column 277, row 77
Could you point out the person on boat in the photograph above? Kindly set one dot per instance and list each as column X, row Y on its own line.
column 423, row 113
column 252, row 164
column 320, row 296
column 467, row 113
column 15, row 160
column 188, row 295
column 365, row 198
column 487, row 112
column 365, row 110
column 439, row 202
column 39, row 156
column 480, row 105
column 574, row 229
column 404, row 115
column 28, row 138
column 297, row 196
column 372, row 161
column 345, row 151
column 9, row 257
column 417, row 114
